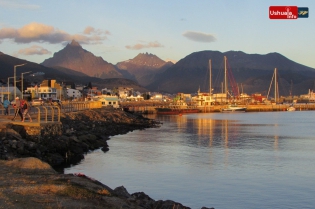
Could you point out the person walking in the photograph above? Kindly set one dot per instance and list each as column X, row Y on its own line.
column 17, row 107
column 6, row 103
column 25, row 109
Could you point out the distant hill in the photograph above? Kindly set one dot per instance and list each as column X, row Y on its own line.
column 144, row 67
column 58, row 73
column 253, row 73
column 74, row 57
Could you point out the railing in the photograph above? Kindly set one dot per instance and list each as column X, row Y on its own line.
column 51, row 113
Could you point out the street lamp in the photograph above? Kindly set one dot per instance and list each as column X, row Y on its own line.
column 15, row 66
column 22, row 81
column 9, row 87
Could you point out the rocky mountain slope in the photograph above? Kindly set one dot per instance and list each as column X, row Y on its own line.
column 144, row 67
column 60, row 74
column 74, row 57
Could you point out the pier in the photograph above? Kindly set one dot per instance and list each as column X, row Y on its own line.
column 149, row 107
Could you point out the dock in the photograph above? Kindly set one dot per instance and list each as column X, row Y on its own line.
column 149, row 108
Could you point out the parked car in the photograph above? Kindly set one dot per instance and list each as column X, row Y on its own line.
column 37, row 102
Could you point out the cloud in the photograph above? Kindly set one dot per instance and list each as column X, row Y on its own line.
column 199, row 36
column 90, row 30
column 15, row 5
column 142, row 46
column 37, row 32
column 33, row 50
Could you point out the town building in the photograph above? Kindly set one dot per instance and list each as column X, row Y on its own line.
column 74, row 94
column 48, row 89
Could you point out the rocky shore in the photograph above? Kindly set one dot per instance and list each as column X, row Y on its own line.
column 82, row 131
column 27, row 164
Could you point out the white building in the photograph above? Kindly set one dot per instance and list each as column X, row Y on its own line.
column 43, row 92
column 74, row 94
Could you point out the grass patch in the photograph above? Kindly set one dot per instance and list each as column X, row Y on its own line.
column 40, row 189
column 79, row 193
column 103, row 192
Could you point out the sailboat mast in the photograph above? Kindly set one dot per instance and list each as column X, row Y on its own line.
column 210, row 79
column 225, row 79
column 276, row 85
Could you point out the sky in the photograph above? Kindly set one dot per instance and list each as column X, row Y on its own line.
column 118, row 30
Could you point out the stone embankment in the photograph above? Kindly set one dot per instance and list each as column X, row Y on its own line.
column 67, row 143
column 27, row 182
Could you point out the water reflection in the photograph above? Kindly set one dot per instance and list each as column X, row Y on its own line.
column 208, row 131
column 247, row 160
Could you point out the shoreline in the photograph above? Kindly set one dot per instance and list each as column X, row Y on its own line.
column 82, row 132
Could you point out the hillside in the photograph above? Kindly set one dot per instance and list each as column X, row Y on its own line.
column 251, row 71
column 144, row 67
column 74, row 57
column 58, row 73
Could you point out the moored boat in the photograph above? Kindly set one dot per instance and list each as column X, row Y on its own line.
column 234, row 108
column 175, row 111
column 291, row 108
column 167, row 111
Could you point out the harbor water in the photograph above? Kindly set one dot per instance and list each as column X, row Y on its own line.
column 220, row 160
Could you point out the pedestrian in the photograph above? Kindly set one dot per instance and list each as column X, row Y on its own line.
column 17, row 107
column 25, row 109
column 6, row 103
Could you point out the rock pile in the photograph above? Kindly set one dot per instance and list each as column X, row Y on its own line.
column 82, row 131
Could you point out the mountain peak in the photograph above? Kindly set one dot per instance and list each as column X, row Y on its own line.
column 74, row 57
column 74, row 43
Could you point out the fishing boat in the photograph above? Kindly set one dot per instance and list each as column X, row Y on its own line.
column 234, row 108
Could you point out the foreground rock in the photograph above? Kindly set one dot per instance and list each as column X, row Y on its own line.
column 82, row 131
column 31, row 183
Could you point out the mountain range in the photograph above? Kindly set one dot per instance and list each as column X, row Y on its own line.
column 147, row 72
column 60, row 74
column 252, row 72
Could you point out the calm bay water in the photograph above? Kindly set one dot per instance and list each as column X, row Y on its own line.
column 221, row 160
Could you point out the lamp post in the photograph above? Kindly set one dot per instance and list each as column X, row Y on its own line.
column 15, row 66
column 22, row 81
column 9, row 87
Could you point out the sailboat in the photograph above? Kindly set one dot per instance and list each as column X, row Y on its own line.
column 204, row 99
column 276, row 94
column 231, row 107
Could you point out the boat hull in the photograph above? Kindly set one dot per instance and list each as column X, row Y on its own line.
column 170, row 111
column 291, row 109
column 234, row 109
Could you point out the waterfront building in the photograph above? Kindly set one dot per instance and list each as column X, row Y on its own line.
column 74, row 94
column 310, row 96
column 108, row 100
column 48, row 89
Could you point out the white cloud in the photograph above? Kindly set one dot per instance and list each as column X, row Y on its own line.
column 142, row 46
column 37, row 32
column 199, row 36
column 33, row 50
